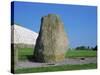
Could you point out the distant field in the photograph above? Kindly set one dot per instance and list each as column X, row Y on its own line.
column 57, row 68
column 24, row 53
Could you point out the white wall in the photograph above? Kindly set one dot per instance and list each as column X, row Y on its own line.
column 23, row 35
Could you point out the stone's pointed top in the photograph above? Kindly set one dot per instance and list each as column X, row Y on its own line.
column 55, row 15
column 53, row 18
column 52, row 15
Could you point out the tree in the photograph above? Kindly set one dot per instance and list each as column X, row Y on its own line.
column 81, row 48
column 95, row 48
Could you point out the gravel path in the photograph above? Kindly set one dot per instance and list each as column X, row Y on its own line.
column 72, row 61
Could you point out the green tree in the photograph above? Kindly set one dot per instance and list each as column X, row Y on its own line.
column 95, row 48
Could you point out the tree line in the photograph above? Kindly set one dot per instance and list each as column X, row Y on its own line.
column 86, row 48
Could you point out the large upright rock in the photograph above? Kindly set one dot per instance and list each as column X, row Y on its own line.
column 52, row 43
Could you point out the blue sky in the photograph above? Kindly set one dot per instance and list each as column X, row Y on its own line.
column 80, row 22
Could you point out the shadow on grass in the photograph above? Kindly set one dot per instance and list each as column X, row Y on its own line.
column 32, row 59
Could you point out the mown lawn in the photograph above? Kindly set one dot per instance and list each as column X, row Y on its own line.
column 57, row 68
column 24, row 53
column 81, row 53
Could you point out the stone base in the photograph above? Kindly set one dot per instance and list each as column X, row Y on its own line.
column 50, row 58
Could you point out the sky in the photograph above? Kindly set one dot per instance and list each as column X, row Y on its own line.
column 80, row 22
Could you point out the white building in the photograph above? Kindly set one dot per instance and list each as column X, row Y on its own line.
column 22, row 36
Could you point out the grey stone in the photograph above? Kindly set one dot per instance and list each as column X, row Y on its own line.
column 52, row 42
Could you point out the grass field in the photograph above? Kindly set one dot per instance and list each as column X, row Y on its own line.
column 81, row 53
column 24, row 53
column 57, row 68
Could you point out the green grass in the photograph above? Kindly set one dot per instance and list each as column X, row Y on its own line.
column 57, row 68
column 23, row 53
column 81, row 53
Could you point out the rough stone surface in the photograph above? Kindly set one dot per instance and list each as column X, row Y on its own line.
column 52, row 42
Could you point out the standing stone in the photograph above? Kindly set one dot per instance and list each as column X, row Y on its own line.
column 52, row 43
